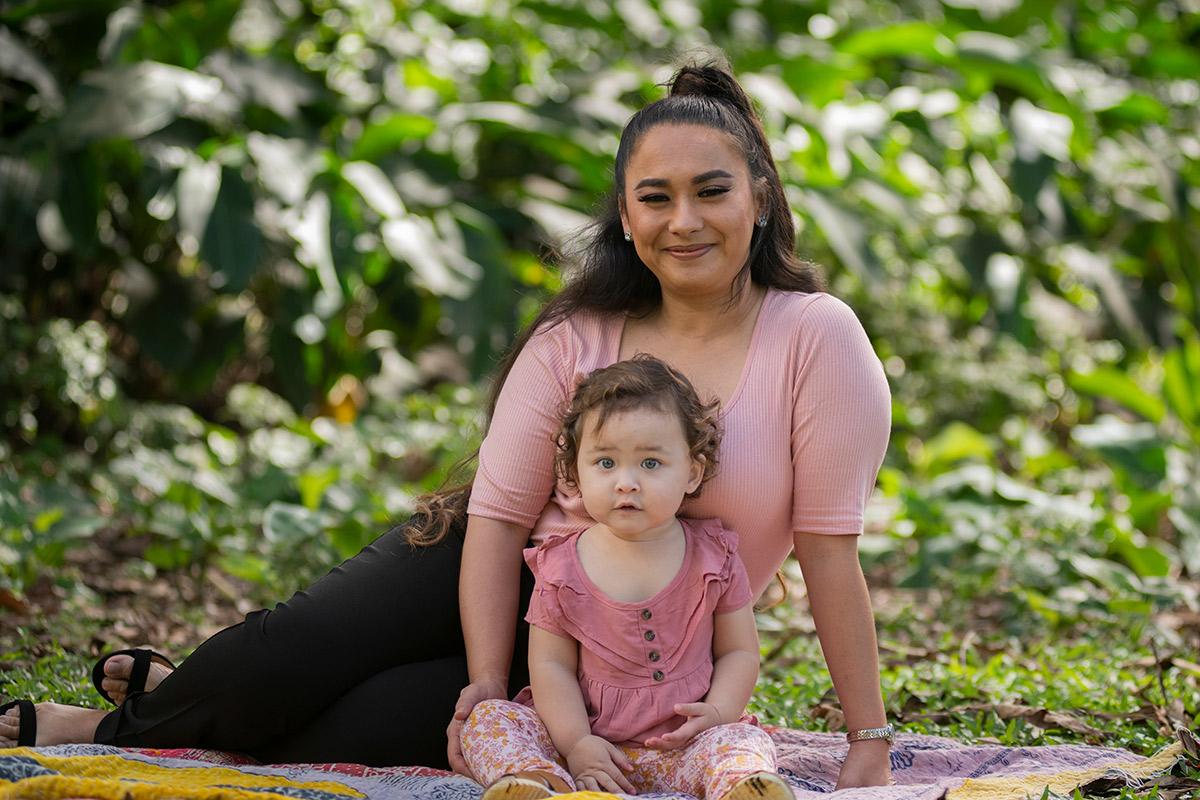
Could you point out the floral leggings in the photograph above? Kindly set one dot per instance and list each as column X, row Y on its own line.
column 501, row 737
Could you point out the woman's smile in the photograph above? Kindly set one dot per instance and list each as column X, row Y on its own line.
column 690, row 252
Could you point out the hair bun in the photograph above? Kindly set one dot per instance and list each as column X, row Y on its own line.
column 691, row 80
column 713, row 79
column 708, row 80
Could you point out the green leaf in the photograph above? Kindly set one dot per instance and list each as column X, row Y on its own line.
column 19, row 62
column 166, row 329
column 902, row 40
column 1117, row 385
column 350, row 537
column 1000, row 60
column 43, row 520
column 381, row 139
column 232, row 239
column 1177, row 60
column 167, row 556
column 77, row 526
column 1106, row 573
column 131, row 101
column 956, row 442
column 246, row 566
column 1181, row 383
column 1187, row 527
column 1139, row 109
column 79, row 199
column 286, row 523
column 1136, row 449
column 844, row 231
column 195, row 193
column 312, row 486
column 1146, row 557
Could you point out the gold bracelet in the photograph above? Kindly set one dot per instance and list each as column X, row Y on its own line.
column 887, row 732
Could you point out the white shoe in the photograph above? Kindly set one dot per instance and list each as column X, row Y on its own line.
column 522, row 786
column 760, row 786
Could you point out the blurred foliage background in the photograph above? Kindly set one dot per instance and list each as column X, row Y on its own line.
column 257, row 256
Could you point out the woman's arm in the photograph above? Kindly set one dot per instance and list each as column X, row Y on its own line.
column 841, row 610
column 488, row 595
column 735, row 671
column 595, row 764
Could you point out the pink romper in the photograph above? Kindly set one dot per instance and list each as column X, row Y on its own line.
column 636, row 661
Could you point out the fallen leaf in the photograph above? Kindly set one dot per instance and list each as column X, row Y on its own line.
column 829, row 710
column 1168, row 786
column 1171, row 787
column 13, row 603
column 1166, row 663
column 1191, row 745
column 1047, row 719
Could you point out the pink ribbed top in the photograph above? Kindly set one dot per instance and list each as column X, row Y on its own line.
column 804, row 432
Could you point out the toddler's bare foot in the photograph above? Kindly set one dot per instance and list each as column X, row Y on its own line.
column 117, row 670
column 56, row 724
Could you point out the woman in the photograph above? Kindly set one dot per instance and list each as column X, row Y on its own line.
column 692, row 260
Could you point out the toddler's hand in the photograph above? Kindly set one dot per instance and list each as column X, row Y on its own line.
column 599, row 766
column 700, row 717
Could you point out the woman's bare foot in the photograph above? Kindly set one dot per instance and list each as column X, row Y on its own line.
column 116, row 676
column 56, row 724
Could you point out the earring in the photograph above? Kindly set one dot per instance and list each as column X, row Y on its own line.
column 762, row 221
column 628, row 236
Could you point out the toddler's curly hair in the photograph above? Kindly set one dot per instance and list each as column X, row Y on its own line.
column 641, row 382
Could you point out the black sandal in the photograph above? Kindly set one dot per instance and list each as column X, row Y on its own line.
column 142, row 658
column 27, row 732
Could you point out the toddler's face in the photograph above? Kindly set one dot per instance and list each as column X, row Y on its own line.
column 635, row 470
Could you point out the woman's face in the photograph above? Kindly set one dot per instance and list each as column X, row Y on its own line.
column 690, row 206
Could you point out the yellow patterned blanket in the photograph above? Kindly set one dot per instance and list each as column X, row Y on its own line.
column 925, row 768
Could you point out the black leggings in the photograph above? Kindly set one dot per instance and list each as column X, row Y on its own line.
column 365, row 666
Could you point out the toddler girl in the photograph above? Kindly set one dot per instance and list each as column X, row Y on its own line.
column 643, row 650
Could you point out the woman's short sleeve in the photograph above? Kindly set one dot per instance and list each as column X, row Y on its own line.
column 841, row 421
column 515, row 477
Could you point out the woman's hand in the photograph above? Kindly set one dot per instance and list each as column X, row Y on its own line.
column 867, row 764
column 468, row 698
column 700, row 717
column 599, row 766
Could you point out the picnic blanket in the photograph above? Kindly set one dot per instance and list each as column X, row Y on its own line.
column 925, row 768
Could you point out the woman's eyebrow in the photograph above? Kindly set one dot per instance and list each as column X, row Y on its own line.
column 701, row 178
column 712, row 173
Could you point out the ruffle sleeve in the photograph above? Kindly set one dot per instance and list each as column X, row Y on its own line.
column 551, row 569
column 720, row 565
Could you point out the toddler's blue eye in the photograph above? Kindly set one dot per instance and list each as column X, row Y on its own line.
column 606, row 463
column 650, row 463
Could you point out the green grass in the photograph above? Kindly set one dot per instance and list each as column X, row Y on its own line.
column 1112, row 684
column 948, row 685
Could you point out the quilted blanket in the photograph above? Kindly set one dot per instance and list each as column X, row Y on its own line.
column 925, row 768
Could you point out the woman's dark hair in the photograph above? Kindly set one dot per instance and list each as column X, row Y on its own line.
column 608, row 276
column 641, row 382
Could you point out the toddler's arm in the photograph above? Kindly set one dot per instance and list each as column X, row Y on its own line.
column 735, row 671
column 595, row 764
